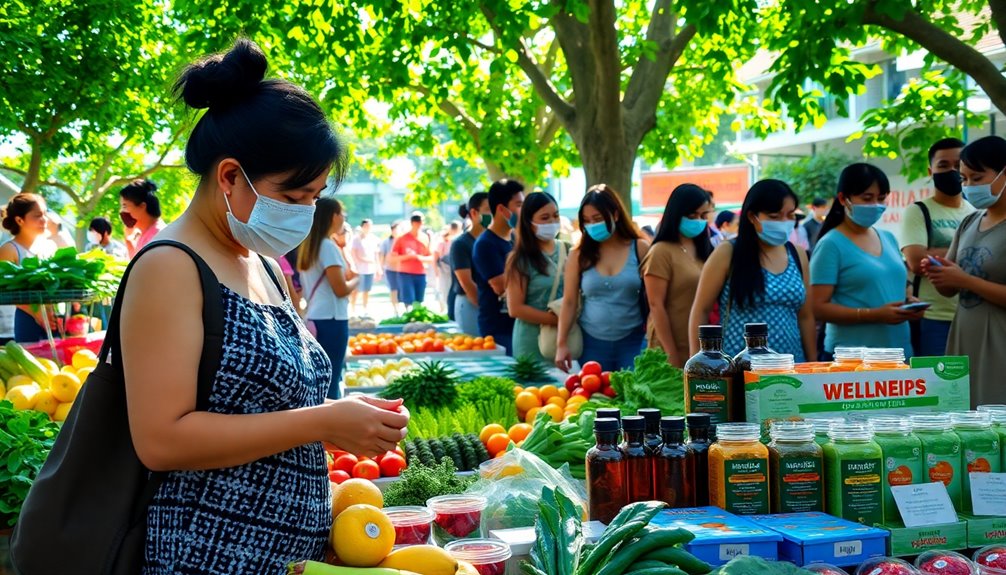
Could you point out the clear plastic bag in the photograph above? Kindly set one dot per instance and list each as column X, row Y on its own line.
column 512, row 485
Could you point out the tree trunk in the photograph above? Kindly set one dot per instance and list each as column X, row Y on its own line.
column 32, row 178
column 493, row 169
column 608, row 161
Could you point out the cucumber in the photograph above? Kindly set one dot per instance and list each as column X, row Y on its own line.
column 650, row 540
column 27, row 362
column 645, row 564
column 8, row 365
column 683, row 559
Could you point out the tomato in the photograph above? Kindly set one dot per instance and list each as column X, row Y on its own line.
column 591, row 384
column 370, row 348
column 606, row 379
column 590, row 368
column 392, row 465
column 609, row 391
column 400, row 452
column 438, row 345
column 337, row 476
column 346, row 463
column 581, row 392
column 367, row 470
column 572, row 382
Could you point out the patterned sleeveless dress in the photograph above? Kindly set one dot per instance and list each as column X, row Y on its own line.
column 779, row 307
column 254, row 518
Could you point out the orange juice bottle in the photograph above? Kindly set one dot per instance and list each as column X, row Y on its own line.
column 739, row 470
column 883, row 359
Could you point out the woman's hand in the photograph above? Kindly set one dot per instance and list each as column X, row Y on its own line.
column 367, row 426
column 947, row 275
column 563, row 359
column 553, row 320
column 892, row 314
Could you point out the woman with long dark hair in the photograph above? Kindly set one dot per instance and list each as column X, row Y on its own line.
column 328, row 283
column 858, row 274
column 533, row 267
column 672, row 267
column 604, row 272
column 760, row 278
column 466, row 293
column 25, row 218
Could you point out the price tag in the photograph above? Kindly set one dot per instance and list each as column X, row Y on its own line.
column 732, row 550
column 848, row 548
column 988, row 493
column 924, row 505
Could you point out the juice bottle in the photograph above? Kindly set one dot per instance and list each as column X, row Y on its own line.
column 611, row 413
column 638, row 463
column 847, row 359
column 709, row 377
column 998, row 417
column 738, row 470
column 854, row 463
column 941, row 453
column 981, row 448
column 699, row 441
column 822, row 425
column 796, row 468
column 883, row 359
column 756, row 340
column 607, row 488
column 674, row 466
column 903, row 464
column 652, row 439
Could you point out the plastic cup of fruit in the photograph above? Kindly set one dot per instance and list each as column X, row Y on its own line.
column 886, row 566
column 413, row 524
column 945, row 563
column 991, row 560
column 488, row 556
column 456, row 517
column 825, row 569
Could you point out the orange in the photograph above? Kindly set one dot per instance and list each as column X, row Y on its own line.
column 556, row 401
column 488, row 345
column 555, row 411
column 517, row 389
column 355, row 491
column 526, row 400
column 490, row 339
column 497, row 443
column 532, row 414
column 533, row 390
column 564, row 393
column 519, row 431
column 490, row 430
column 478, row 341
column 362, row 536
column 548, row 391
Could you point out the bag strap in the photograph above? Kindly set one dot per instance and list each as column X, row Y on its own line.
column 928, row 218
column 558, row 270
column 796, row 256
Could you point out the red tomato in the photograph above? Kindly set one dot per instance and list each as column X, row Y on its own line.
column 609, row 391
column 581, row 392
column 337, row 476
column 392, row 465
column 367, row 470
column 606, row 379
column 337, row 453
column 346, row 463
column 438, row 345
column 572, row 382
column 590, row 368
column 591, row 384
column 399, row 451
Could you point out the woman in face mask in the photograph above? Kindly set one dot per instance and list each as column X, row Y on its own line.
column 859, row 278
column 141, row 214
column 603, row 272
column 760, row 277
column 672, row 268
column 263, row 151
column 534, row 271
column 975, row 269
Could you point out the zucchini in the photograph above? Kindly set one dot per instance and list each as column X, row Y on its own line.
column 27, row 362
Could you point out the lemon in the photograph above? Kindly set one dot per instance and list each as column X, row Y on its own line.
column 50, row 366
column 23, row 396
column 65, row 387
column 62, row 410
column 18, row 380
column 45, row 402
column 84, row 358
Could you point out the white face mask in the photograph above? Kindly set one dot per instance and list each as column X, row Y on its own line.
column 273, row 227
column 546, row 232
column 93, row 237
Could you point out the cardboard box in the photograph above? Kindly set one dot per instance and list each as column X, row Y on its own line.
column 908, row 541
column 932, row 384
column 521, row 539
column 816, row 537
column 984, row 531
column 720, row 536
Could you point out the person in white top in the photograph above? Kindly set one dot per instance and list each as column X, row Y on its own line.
column 25, row 218
column 327, row 283
column 366, row 252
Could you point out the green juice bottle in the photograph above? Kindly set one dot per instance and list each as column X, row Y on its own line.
column 854, row 465
column 998, row 415
column 822, row 425
column 941, row 453
column 981, row 448
column 903, row 464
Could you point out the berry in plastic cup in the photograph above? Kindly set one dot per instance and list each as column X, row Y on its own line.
column 886, row 566
column 825, row 569
column 456, row 517
column 413, row 524
column 991, row 560
column 488, row 556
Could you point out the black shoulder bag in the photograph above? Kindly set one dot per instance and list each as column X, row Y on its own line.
column 86, row 511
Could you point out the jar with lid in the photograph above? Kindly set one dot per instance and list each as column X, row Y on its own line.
column 854, row 465
column 739, row 469
column 756, row 343
column 607, row 488
column 709, row 378
column 882, row 359
column 772, row 364
column 998, row 417
column 847, row 359
column 903, row 464
column 796, row 468
column 980, row 446
column 941, row 453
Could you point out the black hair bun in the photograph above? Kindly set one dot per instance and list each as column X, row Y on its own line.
column 149, row 187
column 224, row 79
column 463, row 211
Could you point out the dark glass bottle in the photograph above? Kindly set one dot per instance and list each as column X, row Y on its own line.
column 674, row 466
column 612, row 413
column 607, row 490
column 709, row 377
column 638, row 463
column 756, row 340
column 699, row 440
column 652, row 439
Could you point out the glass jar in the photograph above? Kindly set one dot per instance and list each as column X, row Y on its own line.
column 854, row 464
column 980, row 446
column 903, row 463
column 796, row 468
column 738, row 470
column 847, row 358
column 999, row 426
column 882, row 359
column 941, row 453
column 822, row 425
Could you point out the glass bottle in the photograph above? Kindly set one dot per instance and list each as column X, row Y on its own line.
column 638, row 463
column 674, row 466
column 739, row 469
column 854, row 464
column 652, row 439
column 709, row 376
column 980, row 446
column 941, row 453
column 882, row 359
column 756, row 343
column 699, row 440
column 611, row 413
column 796, row 468
column 902, row 459
column 607, row 489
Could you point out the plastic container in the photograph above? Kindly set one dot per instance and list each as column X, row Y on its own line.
column 999, row 426
column 413, row 524
column 941, row 452
column 738, row 470
column 825, row 569
column 854, row 465
column 770, row 364
column 991, row 559
column 980, row 446
column 796, row 468
column 487, row 556
column 847, row 359
column 903, row 463
column 882, row 359
column 886, row 566
column 456, row 517
column 945, row 563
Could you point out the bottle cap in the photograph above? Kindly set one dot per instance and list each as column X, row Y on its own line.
column 651, row 415
column 610, row 413
column 672, row 424
column 698, row 419
column 710, row 332
column 606, row 424
column 633, row 423
column 756, row 330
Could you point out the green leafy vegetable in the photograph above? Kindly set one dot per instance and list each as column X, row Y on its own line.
column 26, row 438
column 65, row 270
column 653, row 383
column 562, row 443
column 485, row 388
column 419, row 313
column 433, row 384
column 427, row 423
column 420, row 482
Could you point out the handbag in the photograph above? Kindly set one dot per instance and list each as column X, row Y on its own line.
column 548, row 335
column 91, row 496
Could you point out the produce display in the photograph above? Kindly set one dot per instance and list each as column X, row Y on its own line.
column 466, row 451
column 528, row 369
column 426, row 341
column 433, row 384
column 557, row 402
column 343, row 465
column 38, row 384
column 378, row 373
column 418, row 314
column 419, row 483
column 26, row 437
column 564, row 443
column 65, row 270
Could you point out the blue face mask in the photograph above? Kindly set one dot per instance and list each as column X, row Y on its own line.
column 598, row 231
column 775, row 233
column 512, row 220
column 866, row 215
column 980, row 196
column 691, row 228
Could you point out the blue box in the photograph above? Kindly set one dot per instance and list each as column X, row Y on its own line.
column 720, row 536
column 816, row 537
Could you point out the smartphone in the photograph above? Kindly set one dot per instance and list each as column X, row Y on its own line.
column 916, row 306
column 934, row 262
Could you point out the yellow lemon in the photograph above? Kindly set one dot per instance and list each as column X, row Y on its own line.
column 84, row 358
column 68, row 369
column 18, row 380
column 64, row 387
column 45, row 402
column 62, row 410
column 83, row 372
column 50, row 366
column 23, row 396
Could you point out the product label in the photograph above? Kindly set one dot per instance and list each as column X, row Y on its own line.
column 981, row 456
column 861, row 490
column 942, row 456
column 800, row 486
column 848, row 548
column 746, row 483
column 709, row 396
column 734, row 550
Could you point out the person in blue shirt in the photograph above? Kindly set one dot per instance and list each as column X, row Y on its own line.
column 858, row 278
column 489, row 261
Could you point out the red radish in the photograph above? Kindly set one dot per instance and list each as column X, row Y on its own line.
column 346, row 463
column 392, row 465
